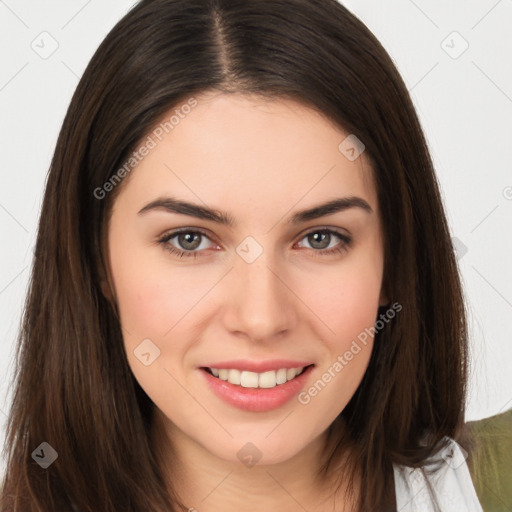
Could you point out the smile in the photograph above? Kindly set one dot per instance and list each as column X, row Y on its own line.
column 255, row 387
column 264, row 380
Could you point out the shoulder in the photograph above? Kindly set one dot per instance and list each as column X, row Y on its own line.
column 489, row 462
column 444, row 480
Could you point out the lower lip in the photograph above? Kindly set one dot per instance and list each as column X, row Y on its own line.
column 257, row 399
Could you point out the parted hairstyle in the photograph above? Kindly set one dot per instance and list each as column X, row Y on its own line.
column 73, row 387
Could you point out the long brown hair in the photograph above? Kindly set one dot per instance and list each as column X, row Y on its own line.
column 73, row 388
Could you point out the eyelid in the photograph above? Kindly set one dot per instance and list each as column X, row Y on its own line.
column 165, row 237
column 173, row 232
column 336, row 230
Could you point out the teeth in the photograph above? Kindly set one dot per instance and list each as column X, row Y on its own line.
column 281, row 376
column 234, row 377
column 249, row 380
column 268, row 379
column 265, row 380
column 291, row 373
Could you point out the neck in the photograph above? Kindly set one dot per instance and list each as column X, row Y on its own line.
column 206, row 483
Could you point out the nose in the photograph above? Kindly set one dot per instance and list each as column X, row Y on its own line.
column 259, row 302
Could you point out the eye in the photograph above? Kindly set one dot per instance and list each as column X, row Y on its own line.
column 323, row 241
column 187, row 242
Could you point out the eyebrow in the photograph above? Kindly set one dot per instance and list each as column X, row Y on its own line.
column 174, row 205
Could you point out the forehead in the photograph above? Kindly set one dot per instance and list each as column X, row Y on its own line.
column 248, row 151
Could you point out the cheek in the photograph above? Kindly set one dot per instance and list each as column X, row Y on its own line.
column 153, row 299
column 346, row 298
column 153, row 296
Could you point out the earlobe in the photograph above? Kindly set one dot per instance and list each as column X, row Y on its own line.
column 384, row 300
column 106, row 286
column 108, row 292
column 105, row 290
column 105, row 277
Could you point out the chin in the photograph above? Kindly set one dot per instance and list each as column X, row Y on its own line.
column 259, row 450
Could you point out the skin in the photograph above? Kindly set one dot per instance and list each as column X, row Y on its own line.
column 261, row 161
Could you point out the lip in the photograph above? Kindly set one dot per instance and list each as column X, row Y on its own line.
column 258, row 366
column 256, row 399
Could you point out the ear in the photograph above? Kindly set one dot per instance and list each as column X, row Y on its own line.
column 105, row 289
column 383, row 298
column 106, row 286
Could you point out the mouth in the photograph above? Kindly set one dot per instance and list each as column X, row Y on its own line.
column 264, row 380
column 256, row 386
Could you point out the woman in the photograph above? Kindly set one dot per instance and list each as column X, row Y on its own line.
column 244, row 294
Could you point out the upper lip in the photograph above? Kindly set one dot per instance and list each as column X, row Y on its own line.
column 258, row 366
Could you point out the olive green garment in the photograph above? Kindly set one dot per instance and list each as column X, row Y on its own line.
column 490, row 461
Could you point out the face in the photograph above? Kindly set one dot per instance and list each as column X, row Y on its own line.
column 249, row 281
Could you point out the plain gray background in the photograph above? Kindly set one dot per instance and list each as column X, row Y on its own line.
column 455, row 58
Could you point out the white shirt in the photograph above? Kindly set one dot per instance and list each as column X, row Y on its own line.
column 451, row 485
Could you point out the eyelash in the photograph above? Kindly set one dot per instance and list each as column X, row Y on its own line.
column 346, row 241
